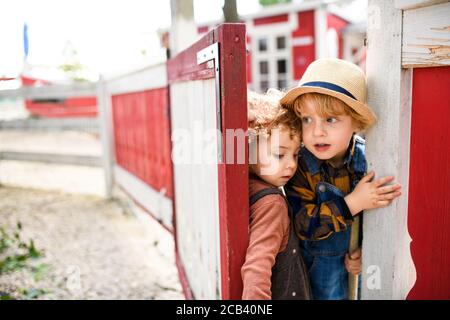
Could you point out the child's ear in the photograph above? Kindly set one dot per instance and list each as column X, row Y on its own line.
column 357, row 127
column 358, row 130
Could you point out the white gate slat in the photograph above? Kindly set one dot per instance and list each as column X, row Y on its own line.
column 152, row 201
column 196, row 184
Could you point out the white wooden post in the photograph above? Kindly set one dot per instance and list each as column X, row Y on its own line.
column 106, row 134
column 320, row 27
column 388, row 271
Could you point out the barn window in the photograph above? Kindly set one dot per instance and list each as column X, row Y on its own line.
column 263, row 67
column 282, row 84
column 281, row 43
column 264, row 85
column 271, row 61
column 262, row 44
column 282, row 70
column 282, row 66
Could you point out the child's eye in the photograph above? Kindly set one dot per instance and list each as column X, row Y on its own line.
column 331, row 120
column 278, row 156
column 306, row 120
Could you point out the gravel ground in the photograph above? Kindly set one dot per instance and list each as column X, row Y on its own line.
column 66, row 178
column 96, row 249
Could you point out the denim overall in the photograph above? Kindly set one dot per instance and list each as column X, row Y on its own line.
column 324, row 259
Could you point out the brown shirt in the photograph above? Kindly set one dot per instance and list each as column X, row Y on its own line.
column 269, row 234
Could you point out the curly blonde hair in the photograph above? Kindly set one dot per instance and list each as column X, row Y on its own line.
column 268, row 114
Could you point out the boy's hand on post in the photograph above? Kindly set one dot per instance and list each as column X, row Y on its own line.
column 372, row 194
column 353, row 262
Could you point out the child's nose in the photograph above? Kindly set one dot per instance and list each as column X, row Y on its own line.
column 292, row 163
column 318, row 129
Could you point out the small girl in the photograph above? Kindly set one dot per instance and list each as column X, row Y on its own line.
column 273, row 267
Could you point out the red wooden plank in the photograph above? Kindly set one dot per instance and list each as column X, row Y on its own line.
column 60, row 110
column 271, row 19
column 233, row 177
column 429, row 183
column 303, row 55
column 338, row 24
column 202, row 29
column 142, row 133
column 168, row 146
column 183, row 67
column 249, row 61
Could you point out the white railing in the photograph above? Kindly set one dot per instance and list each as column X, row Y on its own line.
column 50, row 92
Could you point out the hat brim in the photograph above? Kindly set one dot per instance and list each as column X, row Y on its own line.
column 358, row 107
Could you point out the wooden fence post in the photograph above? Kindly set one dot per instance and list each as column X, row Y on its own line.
column 388, row 271
column 106, row 135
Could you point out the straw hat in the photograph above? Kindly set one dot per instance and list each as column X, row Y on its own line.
column 338, row 78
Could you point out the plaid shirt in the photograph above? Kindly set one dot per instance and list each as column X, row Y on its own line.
column 315, row 221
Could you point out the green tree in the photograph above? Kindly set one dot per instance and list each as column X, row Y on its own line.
column 271, row 2
column 72, row 65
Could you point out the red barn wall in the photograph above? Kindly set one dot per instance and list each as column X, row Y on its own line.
column 338, row 24
column 302, row 56
column 429, row 184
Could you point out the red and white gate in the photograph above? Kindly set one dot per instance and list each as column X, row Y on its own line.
column 199, row 135
column 208, row 112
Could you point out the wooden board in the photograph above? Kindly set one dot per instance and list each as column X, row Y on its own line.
column 387, row 265
column 429, row 203
column 196, row 185
column 426, row 36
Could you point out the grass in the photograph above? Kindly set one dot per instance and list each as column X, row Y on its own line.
column 17, row 254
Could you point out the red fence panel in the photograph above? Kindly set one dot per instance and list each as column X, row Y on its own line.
column 141, row 129
column 143, row 137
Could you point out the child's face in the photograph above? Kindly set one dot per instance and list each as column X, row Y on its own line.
column 277, row 157
column 328, row 137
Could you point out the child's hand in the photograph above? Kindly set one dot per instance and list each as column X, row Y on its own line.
column 372, row 194
column 353, row 262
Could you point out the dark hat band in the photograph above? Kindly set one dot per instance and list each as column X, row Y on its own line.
column 329, row 86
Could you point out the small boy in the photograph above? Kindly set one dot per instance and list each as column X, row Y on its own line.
column 273, row 267
column 330, row 186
